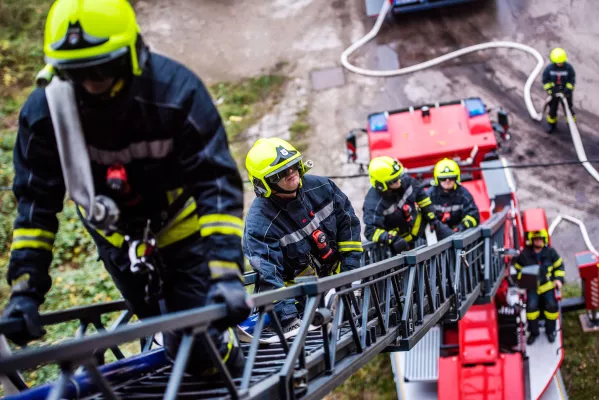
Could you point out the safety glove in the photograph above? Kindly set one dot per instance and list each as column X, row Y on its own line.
column 442, row 230
column 232, row 293
column 399, row 244
column 25, row 308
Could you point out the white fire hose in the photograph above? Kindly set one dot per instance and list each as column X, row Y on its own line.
column 578, row 146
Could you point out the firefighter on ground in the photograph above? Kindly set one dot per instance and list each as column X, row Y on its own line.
column 551, row 275
column 152, row 121
column 396, row 208
column 558, row 77
column 453, row 203
column 298, row 224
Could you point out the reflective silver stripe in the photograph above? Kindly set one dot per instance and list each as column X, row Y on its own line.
column 401, row 202
column 154, row 149
column 455, row 207
column 308, row 229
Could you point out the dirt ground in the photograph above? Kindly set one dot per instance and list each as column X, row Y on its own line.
column 228, row 40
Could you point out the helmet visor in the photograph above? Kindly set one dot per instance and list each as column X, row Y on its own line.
column 281, row 173
column 96, row 70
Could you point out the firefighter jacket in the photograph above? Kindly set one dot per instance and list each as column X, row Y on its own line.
column 455, row 208
column 166, row 132
column 551, row 266
column 400, row 209
column 559, row 79
column 278, row 237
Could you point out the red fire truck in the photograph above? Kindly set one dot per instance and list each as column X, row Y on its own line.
column 484, row 355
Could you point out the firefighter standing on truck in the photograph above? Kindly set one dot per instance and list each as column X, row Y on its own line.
column 298, row 224
column 154, row 140
column 558, row 77
column 551, row 275
column 453, row 203
column 396, row 208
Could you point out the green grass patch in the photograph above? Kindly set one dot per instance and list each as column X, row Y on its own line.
column 373, row 381
column 241, row 104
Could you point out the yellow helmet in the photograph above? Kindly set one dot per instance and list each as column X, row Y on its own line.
column 558, row 56
column 81, row 34
column 384, row 171
column 536, row 234
column 268, row 161
column 446, row 168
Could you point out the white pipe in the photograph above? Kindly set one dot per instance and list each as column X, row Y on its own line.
column 583, row 230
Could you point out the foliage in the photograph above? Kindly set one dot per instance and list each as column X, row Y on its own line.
column 242, row 103
column 373, row 381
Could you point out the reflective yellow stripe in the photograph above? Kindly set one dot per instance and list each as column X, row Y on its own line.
column 471, row 221
column 559, row 273
column 558, row 263
column 115, row 239
column 377, row 235
column 424, row 202
column 519, row 276
column 551, row 120
column 407, row 237
column 350, row 246
column 545, row 287
column 531, row 316
column 173, row 194
column 431, row 215
column 548, row 85
column 518, row 267
column 178, row 232
column 219, row 268
column 416, row 227
column 569, row 86
column 223, row 224
column 551, row 315
column 32, row 238
column 30, row 244
column 33, row 232
column 336, row 269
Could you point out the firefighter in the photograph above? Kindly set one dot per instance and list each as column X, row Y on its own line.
column 551, row 276
column 396, row 207
column 150, row 122
column 297, row 225
column 453, row 203
column 558, row 77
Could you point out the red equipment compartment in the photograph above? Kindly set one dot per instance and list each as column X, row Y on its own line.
column 478, row 190
column 478, row 335
column 419, row 141
column 503, row 380
column 588, row 267
column 535, row 220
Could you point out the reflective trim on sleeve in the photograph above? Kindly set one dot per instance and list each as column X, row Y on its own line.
column 424, row 202
column 569, row 86
column 548, row 85
column 559, row 273
column 219, row 269
column 558, row 263
column 32, row 238
column 350, row 246
column 469, row 221
column 222, row 224
column 377, row 234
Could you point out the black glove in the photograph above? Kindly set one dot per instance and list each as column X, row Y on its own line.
column 232, row 293
column 442, row 230
column 399, row 244
column 25, row 308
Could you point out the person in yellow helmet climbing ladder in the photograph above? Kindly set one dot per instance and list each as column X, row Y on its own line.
column 558, row 77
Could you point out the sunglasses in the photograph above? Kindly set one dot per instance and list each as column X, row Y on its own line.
column 275, row 178
column 452, row 179
column 392, row 181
